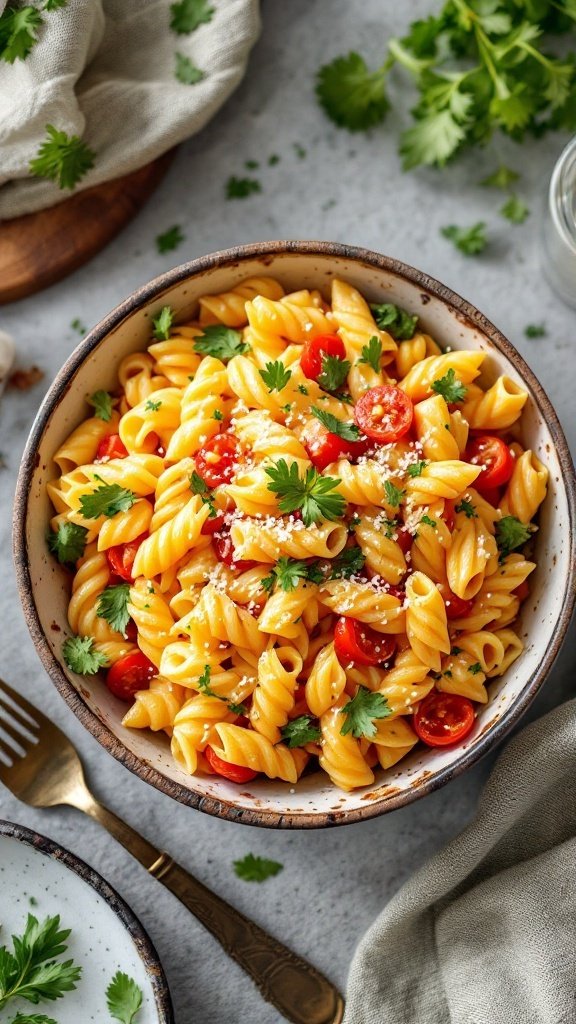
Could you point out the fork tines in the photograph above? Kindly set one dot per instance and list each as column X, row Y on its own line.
column 18, row 731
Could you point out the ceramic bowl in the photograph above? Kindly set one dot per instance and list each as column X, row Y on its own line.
column 44, row 586
column 39, row 877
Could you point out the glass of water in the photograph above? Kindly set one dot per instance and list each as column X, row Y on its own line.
column 560, row 226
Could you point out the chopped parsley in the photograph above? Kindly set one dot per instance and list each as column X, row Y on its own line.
column 475, row 668
column 123, row 998
column 515, row 210
column 163, row 323
column 220, row 342
column 362, row 711
column 187, row 15
column 188, row 74
column 352, row 96
column 310, row 493
column 106, row 500
column 79, row 654
column 333, row 373
column 535, row 331
column 501, row 178
column 217, row 415
column 470, row 241
column 170, row 239
column 256, row 869
column 395, row 320
column 102, row 403
column 62, row 158
column 372, row 353
column 288, row 572
column 31, row 969
column 347, row 431
column 348, row 563
column 152, row 406
column 18, row 32
column 428, row 521
column 511, row 534
column 200, row 487
column 300, row 731
column 467, row 508
column 113, row 606
column 68, row 542
column 451, row 389
column 393, row 494
column 417, row 468
column 275, row 375
column 241, row 188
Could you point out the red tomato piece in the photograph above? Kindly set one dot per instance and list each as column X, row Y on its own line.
column 121, row 558
column 232, row 772
column 111, row 447
column 213, row 524
column 456, row 607
column 314, row 351
column 403, row 539
column 522, row 591
column 355, row 641
column 398, row 592
column 225, row 550
column 384, row 413
column 449, row 514
column 443, row 718
column 131, row 631
column 492, row 495
column 129, row 674
column 494, row 454
column 216, row 460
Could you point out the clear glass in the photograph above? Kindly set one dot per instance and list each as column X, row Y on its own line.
column 560, row 227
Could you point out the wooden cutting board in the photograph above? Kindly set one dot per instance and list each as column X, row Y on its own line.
column 38, row 249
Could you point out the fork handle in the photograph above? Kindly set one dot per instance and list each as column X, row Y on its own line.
column 291, row 984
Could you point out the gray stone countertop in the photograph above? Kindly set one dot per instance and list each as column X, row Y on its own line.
column 329, row 185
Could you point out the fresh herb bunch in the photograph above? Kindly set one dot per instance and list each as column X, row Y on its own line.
column 480, row 66
column 32, row 969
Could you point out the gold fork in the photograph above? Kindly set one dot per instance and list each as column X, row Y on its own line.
column 43, row 769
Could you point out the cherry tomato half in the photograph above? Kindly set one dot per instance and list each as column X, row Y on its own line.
column 129, row 674
column 456, row 607
column 121, row 558
column 111, row 447
column 384, row 413
column 324, row 447
column 215, row 462
column 443, row 718
column 491, row 452
column 314, row 351
column 355, row 641
column 213, row 524
column 225, row 550
column 232, row 772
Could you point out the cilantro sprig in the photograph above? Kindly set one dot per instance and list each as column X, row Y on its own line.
column 511, row 533
column 187, row 15
column 372, row 353
column 300, row 731
column 123, row 998
column 348, row 563
column 68, row 542
column 102, row 404
column 288, row 572
column 79, row 654
column 32, row 970
column 361, row 712
column 200, row 487
column 62, row 158
column 275, row 375
column 220, row 342
column 252, row 868
column 395, row 320
column 18, row 32
column 312, row 493
column 347, row 431
column 106, row 500
column 471, row 241
column 333, row 372
column 187, row 73
column 163, row 323
column 352, row 96
column 393, row 494
column 113, row 606
column 451, row 389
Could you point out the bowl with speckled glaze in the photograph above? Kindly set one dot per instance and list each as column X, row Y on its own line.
column 44, row 586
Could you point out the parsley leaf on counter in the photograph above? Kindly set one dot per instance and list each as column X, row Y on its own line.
column 187, row 72
column 470, row 241
column 162, row 323
column 451, row 389
column 123, row 998
column 502, row 178
column 102, row 403
column 221, row 342
column 187, row 15
column 372, row 353
column 299, row 731
column 396, row 321
column 275, row 376
column 353, row 96
column 77, row 325
column 68, row 542
column 170, row 239
column 80, row 657
column 256, row 869
column 62, row 158
column 113, row 606
column 289, row 571
column 333, row 372
column 32, row 1018
column 348, row 563
column 18, row 28
column 347, row 431
column 310, row 493
column 511, row 534
column 515, row 210
column 106, row 500
column 31, row 971
column 362, row 710
column 535, row 331
column 241, row 188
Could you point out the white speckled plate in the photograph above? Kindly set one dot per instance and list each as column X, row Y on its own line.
column 39, row 877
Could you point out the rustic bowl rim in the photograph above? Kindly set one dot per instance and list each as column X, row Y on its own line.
column 266, row 251
column 144, row 945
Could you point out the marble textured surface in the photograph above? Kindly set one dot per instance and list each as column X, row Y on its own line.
column 343, row 187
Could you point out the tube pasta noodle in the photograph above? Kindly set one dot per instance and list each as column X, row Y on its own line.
column 275, row 575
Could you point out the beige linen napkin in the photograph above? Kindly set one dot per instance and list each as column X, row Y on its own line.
column 105, row 70
column 485, row 933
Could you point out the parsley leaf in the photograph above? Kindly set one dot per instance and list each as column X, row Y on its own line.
column 55, row 5
column 256, row 869
column 451, row 389
column 170, row 239
column 199, row 486
column 515, row 210
column 348, row 563
column 187, row 73
column 62, row 158
column 241, row 188
column 390, row 526
column 68, row 543
column 416, row 468
column 467, row 508
column 32, row 971
column 162, row 323
column 361, row 711
column 152, row 406
column 275, row 376
column 475, row 668
column 187, row 15
column 221, row 342
column 113, row 606
column 203, row 682
column 32, row 1018
column 371, row 353
column 535, row 331
column 102, row 402
column 393, row 494
column 123, row 998
column 347, row 431
column 80, row 657
column 353, row 96
column 396, row 321
column 470, row 241
column 18, row 30
column 333, row 373
column 310, row 493
column 433, row 139
column 300, row 731
column 428, row 521
column 289, row 571
column 77, row 325
column 106, row 500
column 511, row 534
column 502, row 178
